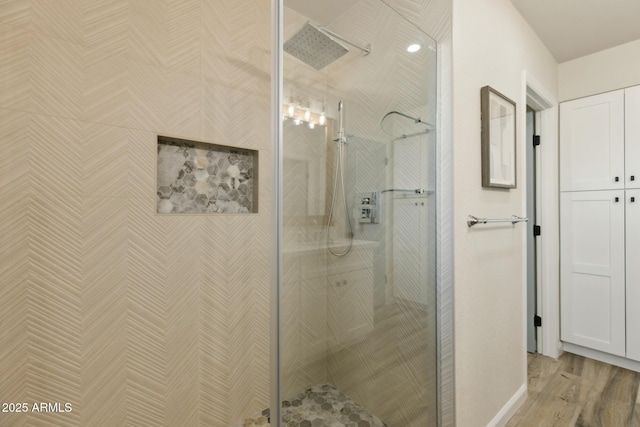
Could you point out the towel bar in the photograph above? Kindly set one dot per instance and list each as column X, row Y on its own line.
column 473, row 220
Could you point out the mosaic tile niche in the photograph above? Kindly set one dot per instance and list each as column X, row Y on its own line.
column 200, row 178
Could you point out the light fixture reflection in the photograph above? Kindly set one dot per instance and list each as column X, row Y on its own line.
column 301, row 115
column 413, row 48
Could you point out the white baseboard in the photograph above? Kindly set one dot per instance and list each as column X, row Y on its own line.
column 602, row 357
column 510, row 408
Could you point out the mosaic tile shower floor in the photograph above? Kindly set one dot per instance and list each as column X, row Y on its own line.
column 319, row 406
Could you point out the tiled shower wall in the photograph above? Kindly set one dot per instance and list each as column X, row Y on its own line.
column 133, row 318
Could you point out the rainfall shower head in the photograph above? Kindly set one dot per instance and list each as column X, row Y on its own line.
column 314, row 47
column 317, row 47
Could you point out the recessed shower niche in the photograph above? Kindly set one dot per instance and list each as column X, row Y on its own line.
column 202, row 178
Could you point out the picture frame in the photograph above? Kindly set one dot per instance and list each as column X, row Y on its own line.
column 498, row 138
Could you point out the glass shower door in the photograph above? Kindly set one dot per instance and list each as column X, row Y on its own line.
column 357, row 290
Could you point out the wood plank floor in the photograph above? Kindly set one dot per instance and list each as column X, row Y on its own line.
column 576, row 391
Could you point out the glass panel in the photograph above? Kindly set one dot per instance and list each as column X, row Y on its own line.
column 357, row 304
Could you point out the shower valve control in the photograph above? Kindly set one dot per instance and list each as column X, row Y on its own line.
column 367, row 208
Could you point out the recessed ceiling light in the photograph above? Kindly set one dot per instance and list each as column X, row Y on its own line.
column 413, row 48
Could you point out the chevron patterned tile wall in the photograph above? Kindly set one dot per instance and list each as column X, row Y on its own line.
column 133, row 318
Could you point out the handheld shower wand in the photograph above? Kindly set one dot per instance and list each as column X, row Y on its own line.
column 341, row 137
column 341, row 140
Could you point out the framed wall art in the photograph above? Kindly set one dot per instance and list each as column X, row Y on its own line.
column 498, row 115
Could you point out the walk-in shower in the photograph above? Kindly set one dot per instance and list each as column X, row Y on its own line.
column 357, row 330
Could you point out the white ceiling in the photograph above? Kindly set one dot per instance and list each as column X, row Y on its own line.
column 569, row 28
column 574, row 28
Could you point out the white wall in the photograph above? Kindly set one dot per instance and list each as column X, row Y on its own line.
column 599, row 72
column 492, row 45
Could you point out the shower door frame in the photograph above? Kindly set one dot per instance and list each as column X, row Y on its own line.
column 444, row 226
column 277, row 42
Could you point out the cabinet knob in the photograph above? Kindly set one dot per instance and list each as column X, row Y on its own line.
column 632, row 177
column 633, row 199
column 616, row 179
column 617, row 199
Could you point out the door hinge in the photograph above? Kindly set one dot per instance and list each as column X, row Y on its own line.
column 537, row 320
column 536, row 140
column 536, row 230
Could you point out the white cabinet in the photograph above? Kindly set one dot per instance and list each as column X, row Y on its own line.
column 592, row 138
column 600, row 222
column 632, row 203
column 593, row 270
column 632, row 136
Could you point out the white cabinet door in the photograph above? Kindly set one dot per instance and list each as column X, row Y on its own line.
column 592, row 143
column 633, row 273
column 632, row 136
column 592, row 282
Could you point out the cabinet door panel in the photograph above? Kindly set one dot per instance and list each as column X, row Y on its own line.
column 592, row 143
column 633, row 273
column 592, row 282
column 632, row 136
